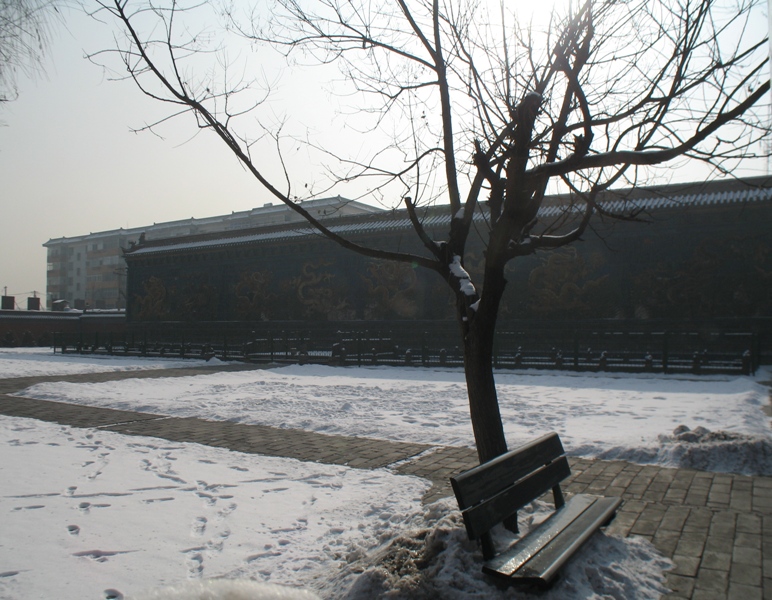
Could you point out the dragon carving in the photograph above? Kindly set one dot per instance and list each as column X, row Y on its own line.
column 315, row 291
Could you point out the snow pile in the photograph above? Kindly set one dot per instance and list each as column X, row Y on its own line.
column 730, row 452
column 433, row 558
column 700, row 449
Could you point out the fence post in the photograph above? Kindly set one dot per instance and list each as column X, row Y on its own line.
column 755, row 351
column 576, row 350
column 746, row 362
column 665, row 350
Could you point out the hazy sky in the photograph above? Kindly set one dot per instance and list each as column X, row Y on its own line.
column 69, row 164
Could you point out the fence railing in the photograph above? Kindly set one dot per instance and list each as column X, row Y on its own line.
column 422, row 344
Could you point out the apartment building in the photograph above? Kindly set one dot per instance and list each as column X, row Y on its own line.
column 89, row 271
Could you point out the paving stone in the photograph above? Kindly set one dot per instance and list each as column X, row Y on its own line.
column 680, row 585
column 767, row 588
column 690, row 545
column 700, row 594
column 720, row 561
column 748, row 540
column 746, row 556
column 738, row 591
column 745, row 574
column 686, row 565
column 666, row 540
column 712, row 580
column 674, row 518
column 622, row 524
column 719, row 544
column 748, row 523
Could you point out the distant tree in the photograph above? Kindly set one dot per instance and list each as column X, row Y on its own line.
column 484, row 115
column 24, row 37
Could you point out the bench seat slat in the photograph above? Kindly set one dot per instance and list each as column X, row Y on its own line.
column 507, row 563
column 551, row 544
column 481, row 518
column 488, row 479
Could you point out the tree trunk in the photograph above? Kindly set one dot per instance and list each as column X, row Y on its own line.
column 483, row 401
column 478, row 367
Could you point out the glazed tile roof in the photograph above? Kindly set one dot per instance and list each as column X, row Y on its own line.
column 720, row 193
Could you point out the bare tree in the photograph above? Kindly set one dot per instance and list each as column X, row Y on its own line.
column 24, row 35
column 486, row 115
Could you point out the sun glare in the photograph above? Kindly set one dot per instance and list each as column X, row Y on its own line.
column 539, row 11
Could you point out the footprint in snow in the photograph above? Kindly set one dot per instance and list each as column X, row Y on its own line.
column 254, row 557
column 87, row 506
column 218, row 543
column 224, row 512
column 199, row 526
column 73, row 529
column 209, row 499
column 100, row 555
column 195, row 562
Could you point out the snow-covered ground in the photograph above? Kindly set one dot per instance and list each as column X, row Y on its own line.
column 37, row 362
column 631, row 417
column 93, row 514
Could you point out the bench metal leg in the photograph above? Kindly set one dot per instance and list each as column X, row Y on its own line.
column 488, row 549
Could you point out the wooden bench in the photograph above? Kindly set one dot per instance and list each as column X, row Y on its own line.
column 493, row 492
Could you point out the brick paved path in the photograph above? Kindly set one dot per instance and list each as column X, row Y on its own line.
column 716, row 527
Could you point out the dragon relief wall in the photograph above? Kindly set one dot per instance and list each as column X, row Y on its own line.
column 567, row 283
column 720, row 278
column 285, row 284
column 188, row 300
column 679, row 269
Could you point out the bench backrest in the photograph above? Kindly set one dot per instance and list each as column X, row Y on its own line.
column 493, row 491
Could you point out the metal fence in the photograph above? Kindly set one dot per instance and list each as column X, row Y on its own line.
column 608, row 346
